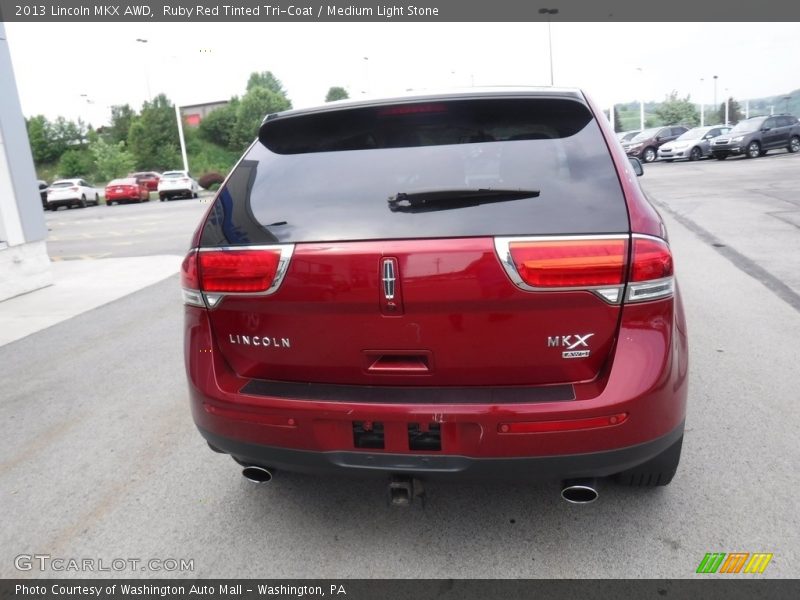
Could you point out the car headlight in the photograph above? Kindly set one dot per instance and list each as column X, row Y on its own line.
column 738, row 138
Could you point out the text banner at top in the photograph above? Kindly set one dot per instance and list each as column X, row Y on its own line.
column 67, row 11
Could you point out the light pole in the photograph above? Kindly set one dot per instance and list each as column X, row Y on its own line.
column 146, row 70
column 702, row 108
column 641, row 99
column 715, row 93
column 727, row 100
column 366, row 75
column 549, row 12
column 786, row 108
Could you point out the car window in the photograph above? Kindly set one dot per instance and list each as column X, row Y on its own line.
column 362, row 157
column 769, row 123
column 784, row 122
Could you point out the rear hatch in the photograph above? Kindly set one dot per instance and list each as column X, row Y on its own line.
column 447, row 242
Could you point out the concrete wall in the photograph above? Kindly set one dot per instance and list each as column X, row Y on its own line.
column 24, row 264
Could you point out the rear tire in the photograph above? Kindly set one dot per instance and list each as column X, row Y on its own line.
column 655, row 472
column 161, row 197
column 82, row 203
column 794, row 144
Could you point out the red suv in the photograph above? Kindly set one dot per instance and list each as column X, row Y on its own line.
column 469, row 284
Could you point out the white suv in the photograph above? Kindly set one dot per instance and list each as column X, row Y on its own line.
column 174, row 184
column 71, row 192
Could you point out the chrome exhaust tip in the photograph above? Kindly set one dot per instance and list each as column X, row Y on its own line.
column 579, row 491
column 257, row 474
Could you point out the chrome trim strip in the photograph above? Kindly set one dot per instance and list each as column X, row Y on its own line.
column 193, row 297
column 650, row 290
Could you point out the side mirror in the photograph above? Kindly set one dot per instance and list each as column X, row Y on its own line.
column 637, row 166
column 765, row 129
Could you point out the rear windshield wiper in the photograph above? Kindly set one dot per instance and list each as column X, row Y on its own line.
column 426, row 201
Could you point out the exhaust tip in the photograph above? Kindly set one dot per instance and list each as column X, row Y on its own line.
column 256, row 474
column 581, row 491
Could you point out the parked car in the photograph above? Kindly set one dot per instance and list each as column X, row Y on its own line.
column 756, row 136
column 128, row 189
column 43, row 192
column 438, row 286
column 71, row 192
column 626, row 136
column 646, row 144
column 177, row 184
column 692, row 145
column 149, row 178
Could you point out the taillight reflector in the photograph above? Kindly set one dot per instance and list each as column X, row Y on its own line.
column 238, row 271
column 569, row 425
column 569, row 263
column 652, row 259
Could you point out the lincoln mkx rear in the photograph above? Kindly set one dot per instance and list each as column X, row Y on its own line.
column 461, row 285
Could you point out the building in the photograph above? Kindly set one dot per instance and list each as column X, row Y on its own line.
column 194, row 113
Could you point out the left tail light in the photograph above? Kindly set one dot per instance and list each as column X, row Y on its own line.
column 210, row 274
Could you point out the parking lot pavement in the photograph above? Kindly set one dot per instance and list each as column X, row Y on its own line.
column 79, row 286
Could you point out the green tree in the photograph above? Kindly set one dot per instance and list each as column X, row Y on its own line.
column 336, row 93
column 617, row 121
column 40, row 135
column 735, row 113
column 218, row 125
column 677, row 111
column 266, row 79
column 253, row 107
column 75, row 162
column 122, row 117
column 111, row 160
column 153, row 137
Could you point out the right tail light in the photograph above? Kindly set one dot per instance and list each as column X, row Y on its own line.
column 651, row 270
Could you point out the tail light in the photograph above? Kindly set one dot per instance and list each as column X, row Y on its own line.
column 74, row 189
column 210, row 274
column 651, row 270
column 593, row 263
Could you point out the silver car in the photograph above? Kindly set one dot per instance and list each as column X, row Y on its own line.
column 692, row 145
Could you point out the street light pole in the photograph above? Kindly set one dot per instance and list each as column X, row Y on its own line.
column 702, row 107
column 549, row 12
column 641, row 99
column 146, row 70
column 727, row 99
column 715, row 93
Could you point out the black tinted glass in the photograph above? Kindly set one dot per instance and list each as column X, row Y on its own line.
column 330, row 176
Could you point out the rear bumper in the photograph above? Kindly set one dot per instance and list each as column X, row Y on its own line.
column 437, row 466
column 646, row 381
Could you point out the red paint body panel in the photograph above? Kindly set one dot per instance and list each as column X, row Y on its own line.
column 459, row 306
column 647, row 380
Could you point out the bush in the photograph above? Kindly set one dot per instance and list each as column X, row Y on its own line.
column 209, row 179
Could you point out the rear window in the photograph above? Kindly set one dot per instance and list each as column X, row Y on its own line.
column 173, row 175
column 334, row 175
column 64, row 184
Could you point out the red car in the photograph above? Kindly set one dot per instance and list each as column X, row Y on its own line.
column 126, row 190
column 149, row 178
column 461, row 285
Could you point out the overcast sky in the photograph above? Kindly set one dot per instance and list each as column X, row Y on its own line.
column 197, row 62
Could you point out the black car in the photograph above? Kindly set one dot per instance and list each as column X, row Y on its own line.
column 646, row 144
column 756, row 136
column 43, row 185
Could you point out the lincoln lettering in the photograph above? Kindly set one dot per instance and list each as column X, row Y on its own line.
column 259, row 340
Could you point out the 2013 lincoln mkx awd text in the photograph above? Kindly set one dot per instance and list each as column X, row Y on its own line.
column 455, row 285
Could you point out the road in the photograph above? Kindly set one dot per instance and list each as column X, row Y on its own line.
column 100, row 458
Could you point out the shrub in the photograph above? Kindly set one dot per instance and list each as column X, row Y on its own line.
column 209, row 179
